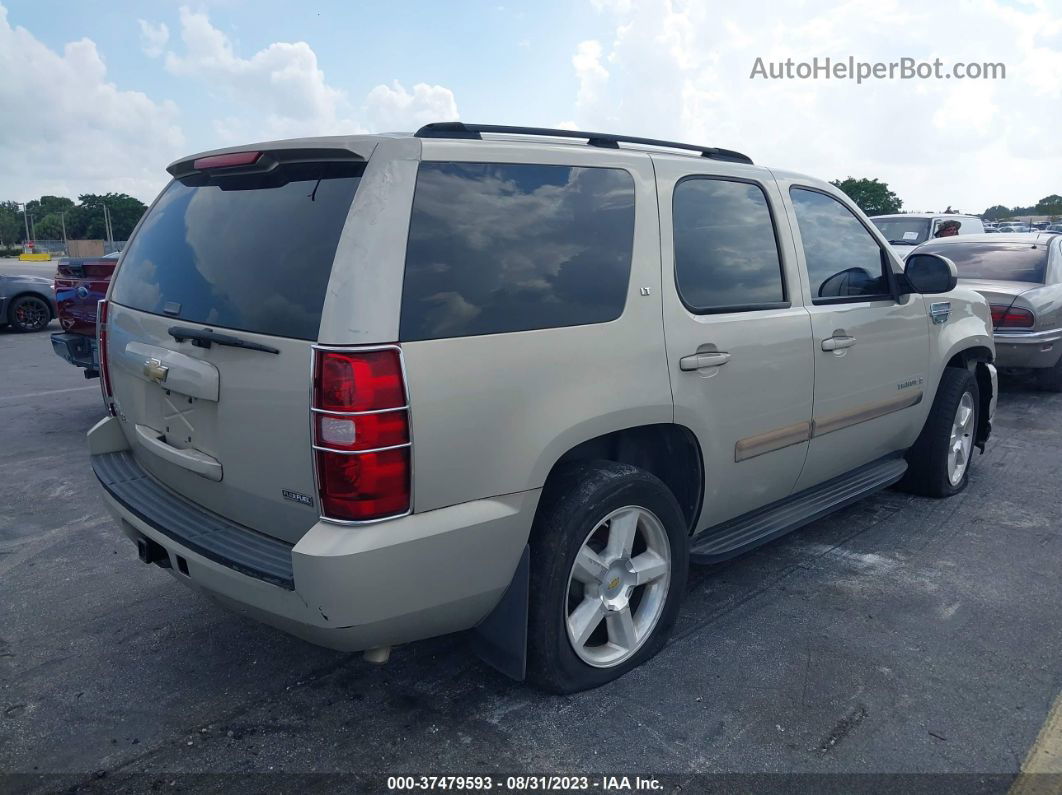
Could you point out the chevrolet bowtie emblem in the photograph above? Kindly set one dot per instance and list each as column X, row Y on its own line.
column 156, row 370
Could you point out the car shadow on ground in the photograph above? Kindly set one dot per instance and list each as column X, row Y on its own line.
column 7, row 330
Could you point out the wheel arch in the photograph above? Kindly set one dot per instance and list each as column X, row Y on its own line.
column 48, row 300
column 976, row 359
column 667, row 450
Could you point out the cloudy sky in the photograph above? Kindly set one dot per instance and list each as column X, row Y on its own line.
column 99, row 96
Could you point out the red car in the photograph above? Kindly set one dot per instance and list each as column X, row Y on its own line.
column 79, row 285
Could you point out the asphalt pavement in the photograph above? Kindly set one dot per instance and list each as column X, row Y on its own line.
column 900, row 636
column 13, row 266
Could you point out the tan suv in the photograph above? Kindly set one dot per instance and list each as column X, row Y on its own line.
column 372, row 389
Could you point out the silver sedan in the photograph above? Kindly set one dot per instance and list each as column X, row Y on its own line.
column 1020, row 274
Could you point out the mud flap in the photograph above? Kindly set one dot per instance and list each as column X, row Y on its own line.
column 500, row 640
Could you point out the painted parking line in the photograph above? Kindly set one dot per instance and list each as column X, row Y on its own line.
column 1041, row 772
column 50, row 392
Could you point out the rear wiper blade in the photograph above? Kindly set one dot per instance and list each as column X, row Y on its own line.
column 203, row 338
column 903, row 242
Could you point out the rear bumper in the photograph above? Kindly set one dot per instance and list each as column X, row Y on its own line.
column 1035, row 349
column 77, row 349
column 347, row 588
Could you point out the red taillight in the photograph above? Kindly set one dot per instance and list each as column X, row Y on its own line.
column 359, row 381
column 364, row 486
column 361, row 434
column 226, row 161
column 1004, row 316
column 101, row 347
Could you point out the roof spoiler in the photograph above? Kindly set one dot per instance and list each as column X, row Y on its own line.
column 229, row 161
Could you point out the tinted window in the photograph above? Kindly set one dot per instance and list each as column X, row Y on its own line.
column 246, row 257
column 496, row 248
column 843, row 259
column 726, row 254
column 1015, row 262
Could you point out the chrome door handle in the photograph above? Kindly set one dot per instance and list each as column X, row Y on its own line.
column 699, row 361
column 838, row 343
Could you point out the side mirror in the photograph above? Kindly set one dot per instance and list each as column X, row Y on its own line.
column 851, row 281
column 930, row 273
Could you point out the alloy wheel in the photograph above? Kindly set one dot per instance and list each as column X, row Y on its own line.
column 960, row 445
column 31, row 315
column 618, row 587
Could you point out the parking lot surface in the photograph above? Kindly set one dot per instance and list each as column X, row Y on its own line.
column 902, row 635
column 13, row 266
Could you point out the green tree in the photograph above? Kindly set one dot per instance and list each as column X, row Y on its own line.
column 872, row 196
column 50, row 227
column 11, row 226
column 85, row 223
column 46, row 205
column 996, row 212
column 1049, row 205
column 124, row 209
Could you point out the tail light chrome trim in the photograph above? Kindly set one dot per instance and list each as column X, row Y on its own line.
column 103, row 356
column 361, row 452
column 314, row 411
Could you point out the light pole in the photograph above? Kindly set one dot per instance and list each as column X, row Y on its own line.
column 62, row 220
column 107, row 224
column 25, row 217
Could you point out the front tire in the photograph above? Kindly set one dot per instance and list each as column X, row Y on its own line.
column 938, row 465
column 29, row 313
column 609, row 558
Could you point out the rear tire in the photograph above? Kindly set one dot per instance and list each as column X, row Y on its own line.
column 609, row 559
column 29, row 313
column 938, row 465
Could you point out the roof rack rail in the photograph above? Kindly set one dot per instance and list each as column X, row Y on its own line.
column 457, row 129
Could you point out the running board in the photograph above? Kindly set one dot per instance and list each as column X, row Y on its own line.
column 732, row 538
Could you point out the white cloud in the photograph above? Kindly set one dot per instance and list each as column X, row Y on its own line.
column 392, row 108
column 676, row 69
column 284, row 79
column 153, row 38
column 592, row 76
column 68, row 129
column 286, row 82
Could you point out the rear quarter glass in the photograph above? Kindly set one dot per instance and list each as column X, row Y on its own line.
column 245, row 255
column 497, row 248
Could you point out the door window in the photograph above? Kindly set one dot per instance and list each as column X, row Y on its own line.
column 844, row 261
column 726, row 252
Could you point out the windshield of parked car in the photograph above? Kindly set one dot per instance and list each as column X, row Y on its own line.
column 1010, row 262
column 903, row 231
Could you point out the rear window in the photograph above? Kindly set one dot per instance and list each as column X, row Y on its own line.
column 253, row 255
column 511, row 247
column 1008, row 262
